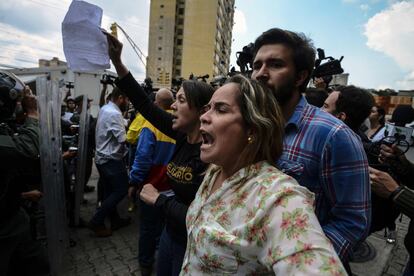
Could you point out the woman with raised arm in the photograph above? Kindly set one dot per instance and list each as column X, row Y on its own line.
column 249, row 218
column 185, row 170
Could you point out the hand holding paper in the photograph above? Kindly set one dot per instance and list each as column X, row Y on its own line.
column 84, row 44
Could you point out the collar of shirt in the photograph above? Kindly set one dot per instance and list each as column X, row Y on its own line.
column 204, row 195
column 296, row 118
column 114, row 106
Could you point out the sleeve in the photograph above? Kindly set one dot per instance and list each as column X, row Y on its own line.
column 143, row 157
column 297, row 244
column 345, row 181
column 24, row 145
column 405, row 202
column 158, row 117
column 173, row 209
column 116, row 126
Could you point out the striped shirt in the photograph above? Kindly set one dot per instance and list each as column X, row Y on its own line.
column 327, row 157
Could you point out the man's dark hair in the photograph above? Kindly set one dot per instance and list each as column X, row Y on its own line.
column 116, row 93
column 303, row 51
column 356, row 103
column 402, row 115
column 381, row 112
column 316, row 96
column 197, row 93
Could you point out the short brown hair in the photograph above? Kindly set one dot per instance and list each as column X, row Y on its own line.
column 261, row 113
column 303, row 51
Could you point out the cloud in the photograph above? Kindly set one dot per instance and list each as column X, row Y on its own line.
column 364, row 7
column 23, row 49
column 31, row 30
column 407, row 83
column 240, row 26
column 31, row 17
column 392, row 33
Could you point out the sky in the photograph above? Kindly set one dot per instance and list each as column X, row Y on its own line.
column 376, row 37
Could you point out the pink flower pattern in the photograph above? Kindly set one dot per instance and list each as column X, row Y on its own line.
column 259, row 222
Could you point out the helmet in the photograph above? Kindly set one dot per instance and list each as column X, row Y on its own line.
column 11, row 90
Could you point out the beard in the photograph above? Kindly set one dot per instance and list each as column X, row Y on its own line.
column 123, row 108
column 283, row 92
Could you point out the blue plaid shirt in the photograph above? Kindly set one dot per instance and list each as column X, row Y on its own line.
column 327, row 157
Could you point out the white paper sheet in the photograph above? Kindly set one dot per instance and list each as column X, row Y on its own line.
column 84, row 45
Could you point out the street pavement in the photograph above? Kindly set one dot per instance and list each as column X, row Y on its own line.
column 114, row 255
column 117, row 254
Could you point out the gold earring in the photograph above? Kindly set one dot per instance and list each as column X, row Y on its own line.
column 250, row 139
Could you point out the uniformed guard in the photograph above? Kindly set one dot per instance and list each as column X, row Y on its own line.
column 20, row 254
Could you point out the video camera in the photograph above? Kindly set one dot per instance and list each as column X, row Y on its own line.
column 108, row 79
column 202, row 78
column 69, row 85
column 218, row 81
column 147, row 86
column 394, row 135
column 327, row 69
column 245, row 59
column 176, row 82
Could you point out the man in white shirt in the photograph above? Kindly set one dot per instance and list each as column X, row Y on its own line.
column 110, row 152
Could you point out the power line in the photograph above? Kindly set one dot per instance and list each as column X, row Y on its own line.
column 22, row 60
column 25, row 53
column 135, row 47
column 9, row 66
column 43, row 3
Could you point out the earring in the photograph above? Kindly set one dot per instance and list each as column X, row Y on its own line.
column 250, row 139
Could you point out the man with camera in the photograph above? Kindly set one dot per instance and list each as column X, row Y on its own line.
column 385, row 186
column 321, row 152
column 19, row 151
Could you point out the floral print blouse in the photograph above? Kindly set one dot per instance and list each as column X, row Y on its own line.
column 259, row 222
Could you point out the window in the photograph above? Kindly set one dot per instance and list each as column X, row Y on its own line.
column 159, row 58
column 181, row 11
column 161, row 16
column 160, row 37
column 179, row 41
column 180, row 21
column 161, row 6
column 159, row 48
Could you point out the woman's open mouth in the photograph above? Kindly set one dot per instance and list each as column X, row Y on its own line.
column 208, row 139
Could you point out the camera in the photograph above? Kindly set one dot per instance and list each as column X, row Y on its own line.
column 330, row 67
column 69, row 85
column 218, row 81
column 108, row 79
column 147, row 86
column 245, row 58
column 70, row 142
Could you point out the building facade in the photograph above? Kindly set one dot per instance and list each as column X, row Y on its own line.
column 189, row 37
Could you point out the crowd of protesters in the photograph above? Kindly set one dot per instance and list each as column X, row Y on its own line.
column 261, row 175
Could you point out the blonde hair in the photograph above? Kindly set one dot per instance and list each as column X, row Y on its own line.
column 262, row 115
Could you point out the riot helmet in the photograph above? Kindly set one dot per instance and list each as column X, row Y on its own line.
column 11, row 90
